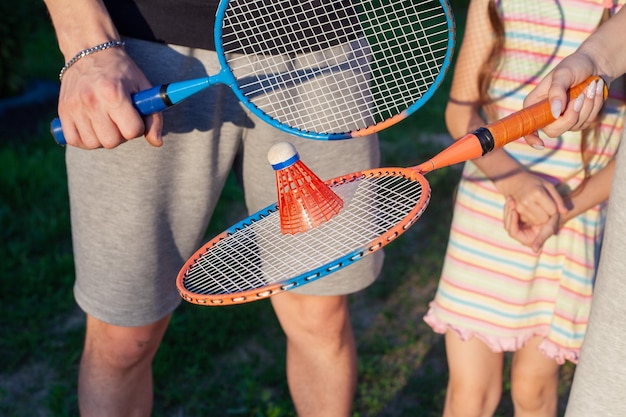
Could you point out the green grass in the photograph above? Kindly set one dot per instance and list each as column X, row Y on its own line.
column 214, row 361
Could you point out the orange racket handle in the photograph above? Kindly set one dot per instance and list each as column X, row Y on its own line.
column 497, row 134
column 528, row 120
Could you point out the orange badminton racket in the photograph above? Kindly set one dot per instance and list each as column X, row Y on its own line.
column 253, row 259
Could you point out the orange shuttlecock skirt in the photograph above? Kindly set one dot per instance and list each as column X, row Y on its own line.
column 304, row 201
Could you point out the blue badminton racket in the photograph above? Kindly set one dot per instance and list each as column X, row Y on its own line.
column 322, row 69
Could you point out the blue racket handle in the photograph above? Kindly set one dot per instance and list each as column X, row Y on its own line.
column 150, row 101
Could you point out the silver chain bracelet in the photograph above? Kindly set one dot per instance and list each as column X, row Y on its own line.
column 89, row 51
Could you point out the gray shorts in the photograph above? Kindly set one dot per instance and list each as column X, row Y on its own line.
column 139, row 212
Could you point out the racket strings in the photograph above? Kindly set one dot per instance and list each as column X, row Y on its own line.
column 346, row 66
column 427, row 23
column 259, row 255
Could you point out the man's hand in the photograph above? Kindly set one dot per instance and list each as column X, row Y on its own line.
column 95, row 107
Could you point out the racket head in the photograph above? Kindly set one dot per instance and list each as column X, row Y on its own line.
column 344, row 69
column 253, row 260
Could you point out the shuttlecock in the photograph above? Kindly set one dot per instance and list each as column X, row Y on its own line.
column 304, row 200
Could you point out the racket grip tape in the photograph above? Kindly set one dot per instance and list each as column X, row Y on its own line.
column 150, row 101
column 528, row 120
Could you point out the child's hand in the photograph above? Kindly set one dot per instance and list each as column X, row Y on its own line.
column 531, row 235
column 536, row 199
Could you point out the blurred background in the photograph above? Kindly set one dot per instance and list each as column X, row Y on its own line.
column 214, row 361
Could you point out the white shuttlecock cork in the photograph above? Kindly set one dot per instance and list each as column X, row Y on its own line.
column 282, row 154
column 304, row 200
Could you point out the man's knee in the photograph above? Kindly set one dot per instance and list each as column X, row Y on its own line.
column 312, row 315
column 120, row 347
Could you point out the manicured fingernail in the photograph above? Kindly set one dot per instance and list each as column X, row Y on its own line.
column 538, row 145
column 556, row 107
column 578, row 104
column 600, row 86
column 591, row 90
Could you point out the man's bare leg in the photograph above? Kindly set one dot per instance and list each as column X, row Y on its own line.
column 321, row 353
column 115, row 377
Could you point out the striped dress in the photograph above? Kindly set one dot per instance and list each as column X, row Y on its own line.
column 491, row 286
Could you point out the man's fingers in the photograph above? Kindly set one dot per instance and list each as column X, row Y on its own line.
column 154, row 127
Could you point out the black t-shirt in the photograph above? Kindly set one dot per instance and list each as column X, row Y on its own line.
column 191, row 22
column 178, row 22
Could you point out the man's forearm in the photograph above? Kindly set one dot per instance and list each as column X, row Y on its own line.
column 80, row 24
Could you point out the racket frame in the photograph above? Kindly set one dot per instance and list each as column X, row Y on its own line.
column 227, row 77
column 314, row 274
